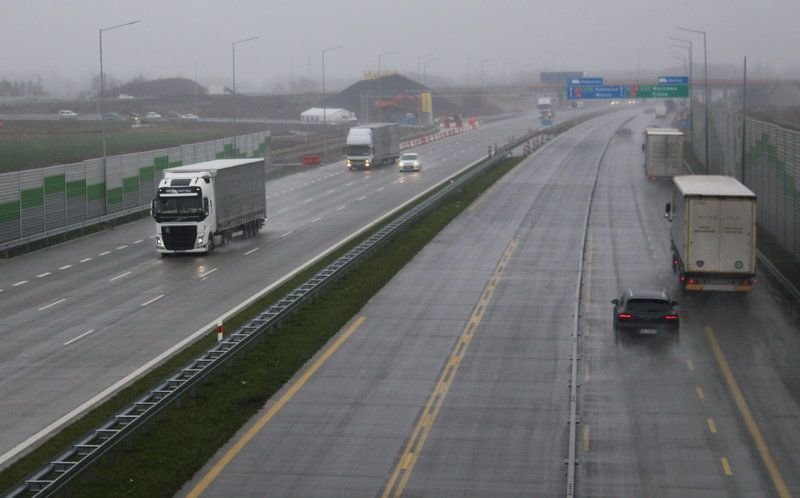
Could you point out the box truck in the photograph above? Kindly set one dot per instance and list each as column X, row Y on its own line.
column 371, row 145
column 201, row 206
column 663, row 152
column 713, row 233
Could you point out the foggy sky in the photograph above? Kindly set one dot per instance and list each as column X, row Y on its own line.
column 58, row 39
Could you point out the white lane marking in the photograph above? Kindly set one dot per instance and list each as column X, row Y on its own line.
column 283, row 210
column 79, row 337
column 381, row 189
column 65, row 267
column 340, row 208
column 361, row 198
column 120, row 276
column 308, row 200
column 315, row 220
column 52, row 304
column 152, row 300
column 330, row 191
column 251, row 251
column 348, row 184
column 21, row 282
column 104, row 253
column 42, row 275
column 287, row 234
column 138, row 241
column 209, row 272
column 85, row 260
column 122, row 247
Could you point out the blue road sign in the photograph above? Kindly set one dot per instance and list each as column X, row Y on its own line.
column 586, row 81
column 673, row 80
column 596, row 92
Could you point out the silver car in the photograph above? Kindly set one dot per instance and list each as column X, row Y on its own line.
column 410, row 161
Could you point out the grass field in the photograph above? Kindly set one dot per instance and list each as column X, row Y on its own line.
column 34, row 144
column 158, row 461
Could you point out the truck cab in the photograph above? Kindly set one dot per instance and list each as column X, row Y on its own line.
column 181, row 207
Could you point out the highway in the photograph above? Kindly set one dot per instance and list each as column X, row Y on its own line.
column 454, row 380
column 82, row 319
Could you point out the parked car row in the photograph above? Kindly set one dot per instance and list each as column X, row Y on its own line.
column 67, row 114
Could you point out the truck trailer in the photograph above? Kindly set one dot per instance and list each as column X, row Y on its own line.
column 371, row 145
column 713, row 233
column 663, row 152
column 201, row 206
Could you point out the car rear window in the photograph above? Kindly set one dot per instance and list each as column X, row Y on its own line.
column 409, row 157
column 648, row 305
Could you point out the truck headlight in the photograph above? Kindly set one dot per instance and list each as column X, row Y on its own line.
column 349, row 162
column 200, row 240
column 366, row 163
column 159, row 242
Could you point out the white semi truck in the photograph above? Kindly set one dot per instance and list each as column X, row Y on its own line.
column 201, row 206
column 663, row 152
column 713, row 233
column 371, row 145
column 546, row 106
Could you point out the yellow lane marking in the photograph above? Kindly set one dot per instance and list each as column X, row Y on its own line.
column 229, row 455
column 690, row 364
column 402, row 472
column 749, row 420
column 700, row 393
column 711, row 425
column 726, row 466
column 586, row 437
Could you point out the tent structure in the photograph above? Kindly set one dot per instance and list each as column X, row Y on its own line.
column 329, row 115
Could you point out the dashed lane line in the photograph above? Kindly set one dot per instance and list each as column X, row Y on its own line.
column 52, row 304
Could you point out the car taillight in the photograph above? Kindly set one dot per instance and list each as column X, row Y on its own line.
column 692, row 281
column 670, row 317
column 683, row 278
column 624, row 316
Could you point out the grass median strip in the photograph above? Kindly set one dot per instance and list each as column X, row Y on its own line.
column 160, row 459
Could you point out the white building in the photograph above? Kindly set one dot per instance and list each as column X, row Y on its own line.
column 328, row 114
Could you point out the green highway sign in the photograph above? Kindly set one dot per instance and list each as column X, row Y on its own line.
column 658, row 91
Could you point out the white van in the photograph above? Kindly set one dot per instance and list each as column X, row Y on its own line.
column 67, row 114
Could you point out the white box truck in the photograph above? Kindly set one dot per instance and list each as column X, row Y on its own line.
column 201, row 206
column 663, row 152
column 713, row 233
column 371, row 145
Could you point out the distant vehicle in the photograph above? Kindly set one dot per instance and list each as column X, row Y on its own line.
column 647, row 312
column 663, row 149
column 661, row 111
column 124, row 96
column 546, row 106
column 371, row 145
column 631, row 101
column 410, row 161
column 112, row 116
column 615, row 102
column 67, row 114
column 135, row 118
column 173, row 115
column 201, row 206
column 713, row 233
column 190, row 117
column 625, row 132
column 152, row 115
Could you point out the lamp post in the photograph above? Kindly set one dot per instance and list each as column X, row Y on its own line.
column 235, row 98
column 100, row 107
column 380, row 82
column 482, row 83
column 419, row 65
column 691, row 82
column 706, row 96
column 324, row 105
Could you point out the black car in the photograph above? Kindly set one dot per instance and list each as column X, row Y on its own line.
column 646, row 312
column 112, row 116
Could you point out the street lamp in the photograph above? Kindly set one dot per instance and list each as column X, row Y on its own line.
column 706, row 96
column 235, row 98
column 419, row 65
column 380, row 82
column 691, row 82
column 482, row 83
column 100, row 107
column 324, row 105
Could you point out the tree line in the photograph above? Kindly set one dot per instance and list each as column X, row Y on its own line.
column 25, row 88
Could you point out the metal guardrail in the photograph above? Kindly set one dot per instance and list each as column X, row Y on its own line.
column 58, row 473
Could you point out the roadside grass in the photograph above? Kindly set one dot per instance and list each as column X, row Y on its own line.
column 159, row 460
column 34, row 144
